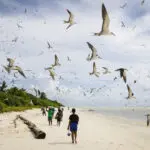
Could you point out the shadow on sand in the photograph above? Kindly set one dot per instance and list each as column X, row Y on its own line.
column 60, row 143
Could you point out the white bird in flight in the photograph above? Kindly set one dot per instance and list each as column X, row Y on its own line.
column 70, row 20
column 94, row 54
column 106, row 70
column 106, row 23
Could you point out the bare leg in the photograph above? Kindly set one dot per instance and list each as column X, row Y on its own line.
column 59, row 123
column 72, row 135
column 75, row 134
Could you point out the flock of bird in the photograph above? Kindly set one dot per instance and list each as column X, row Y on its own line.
column 91, row 57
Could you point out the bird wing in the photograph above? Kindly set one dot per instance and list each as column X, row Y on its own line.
column 19, row 70
column 22, row 73
column 56, row 60
column 129, row 91
column 69, row 26
column 106, row 69
column 123, row 25
column 106, row 20
column 49, row 46
column 123, row 6
column 7, row 69
column 117, row 69
column 35, row 91
column 124, row 76
column 71, row 16
column 52, row 74
column 39, row 93
column 93, row 49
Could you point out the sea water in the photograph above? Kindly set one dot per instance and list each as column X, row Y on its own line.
column 128, row 113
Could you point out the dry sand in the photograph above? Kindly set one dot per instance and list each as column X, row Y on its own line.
column 96, row 132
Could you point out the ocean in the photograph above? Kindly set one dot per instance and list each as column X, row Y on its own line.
column 128, row 113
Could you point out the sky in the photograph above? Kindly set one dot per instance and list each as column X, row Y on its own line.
column 43, row 22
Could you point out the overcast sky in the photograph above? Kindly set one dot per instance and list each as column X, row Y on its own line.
column 43, row 22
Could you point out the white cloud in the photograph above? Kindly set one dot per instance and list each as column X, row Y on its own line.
column 129, row 49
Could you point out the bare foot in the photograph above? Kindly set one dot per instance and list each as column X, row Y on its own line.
column 76, row 142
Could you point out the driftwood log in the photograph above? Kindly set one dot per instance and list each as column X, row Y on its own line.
column 38, row 134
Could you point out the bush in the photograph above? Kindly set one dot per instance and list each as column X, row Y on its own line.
column 15, row 99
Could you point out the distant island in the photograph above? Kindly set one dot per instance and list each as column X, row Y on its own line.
column 15, row 99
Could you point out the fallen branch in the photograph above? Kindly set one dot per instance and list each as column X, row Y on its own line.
column 38, row 134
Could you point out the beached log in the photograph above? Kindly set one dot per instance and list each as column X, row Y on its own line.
column 38, row 134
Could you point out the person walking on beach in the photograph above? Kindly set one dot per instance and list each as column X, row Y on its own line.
column 73, row 125
column 148, row 119
column 43, row 111
column 50, row 115
column 59, row 116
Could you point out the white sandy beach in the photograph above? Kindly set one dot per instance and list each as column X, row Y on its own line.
column 96, row 132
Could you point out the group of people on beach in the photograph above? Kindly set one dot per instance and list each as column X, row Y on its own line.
column 51, row 111
column 72, row 124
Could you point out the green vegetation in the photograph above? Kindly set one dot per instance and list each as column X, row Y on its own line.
column 14, row 99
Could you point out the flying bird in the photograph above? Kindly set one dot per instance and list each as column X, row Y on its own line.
column 115, row 78
column 122, row 24
column 123, row 6
column 94, row 54
column 19, row 70
column 106, row 70
column 56, row 63
column 94, row 71
column 25, row 11
column 122, row 73
column 105, row 25
column 142, row 2
column 130, row 93
column 49, row 46
column 41, row 53
column 68, row 58
column 19, row 26
column 70, row 20
column 15, row 39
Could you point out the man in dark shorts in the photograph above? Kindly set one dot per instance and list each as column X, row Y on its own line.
column 73, row 125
